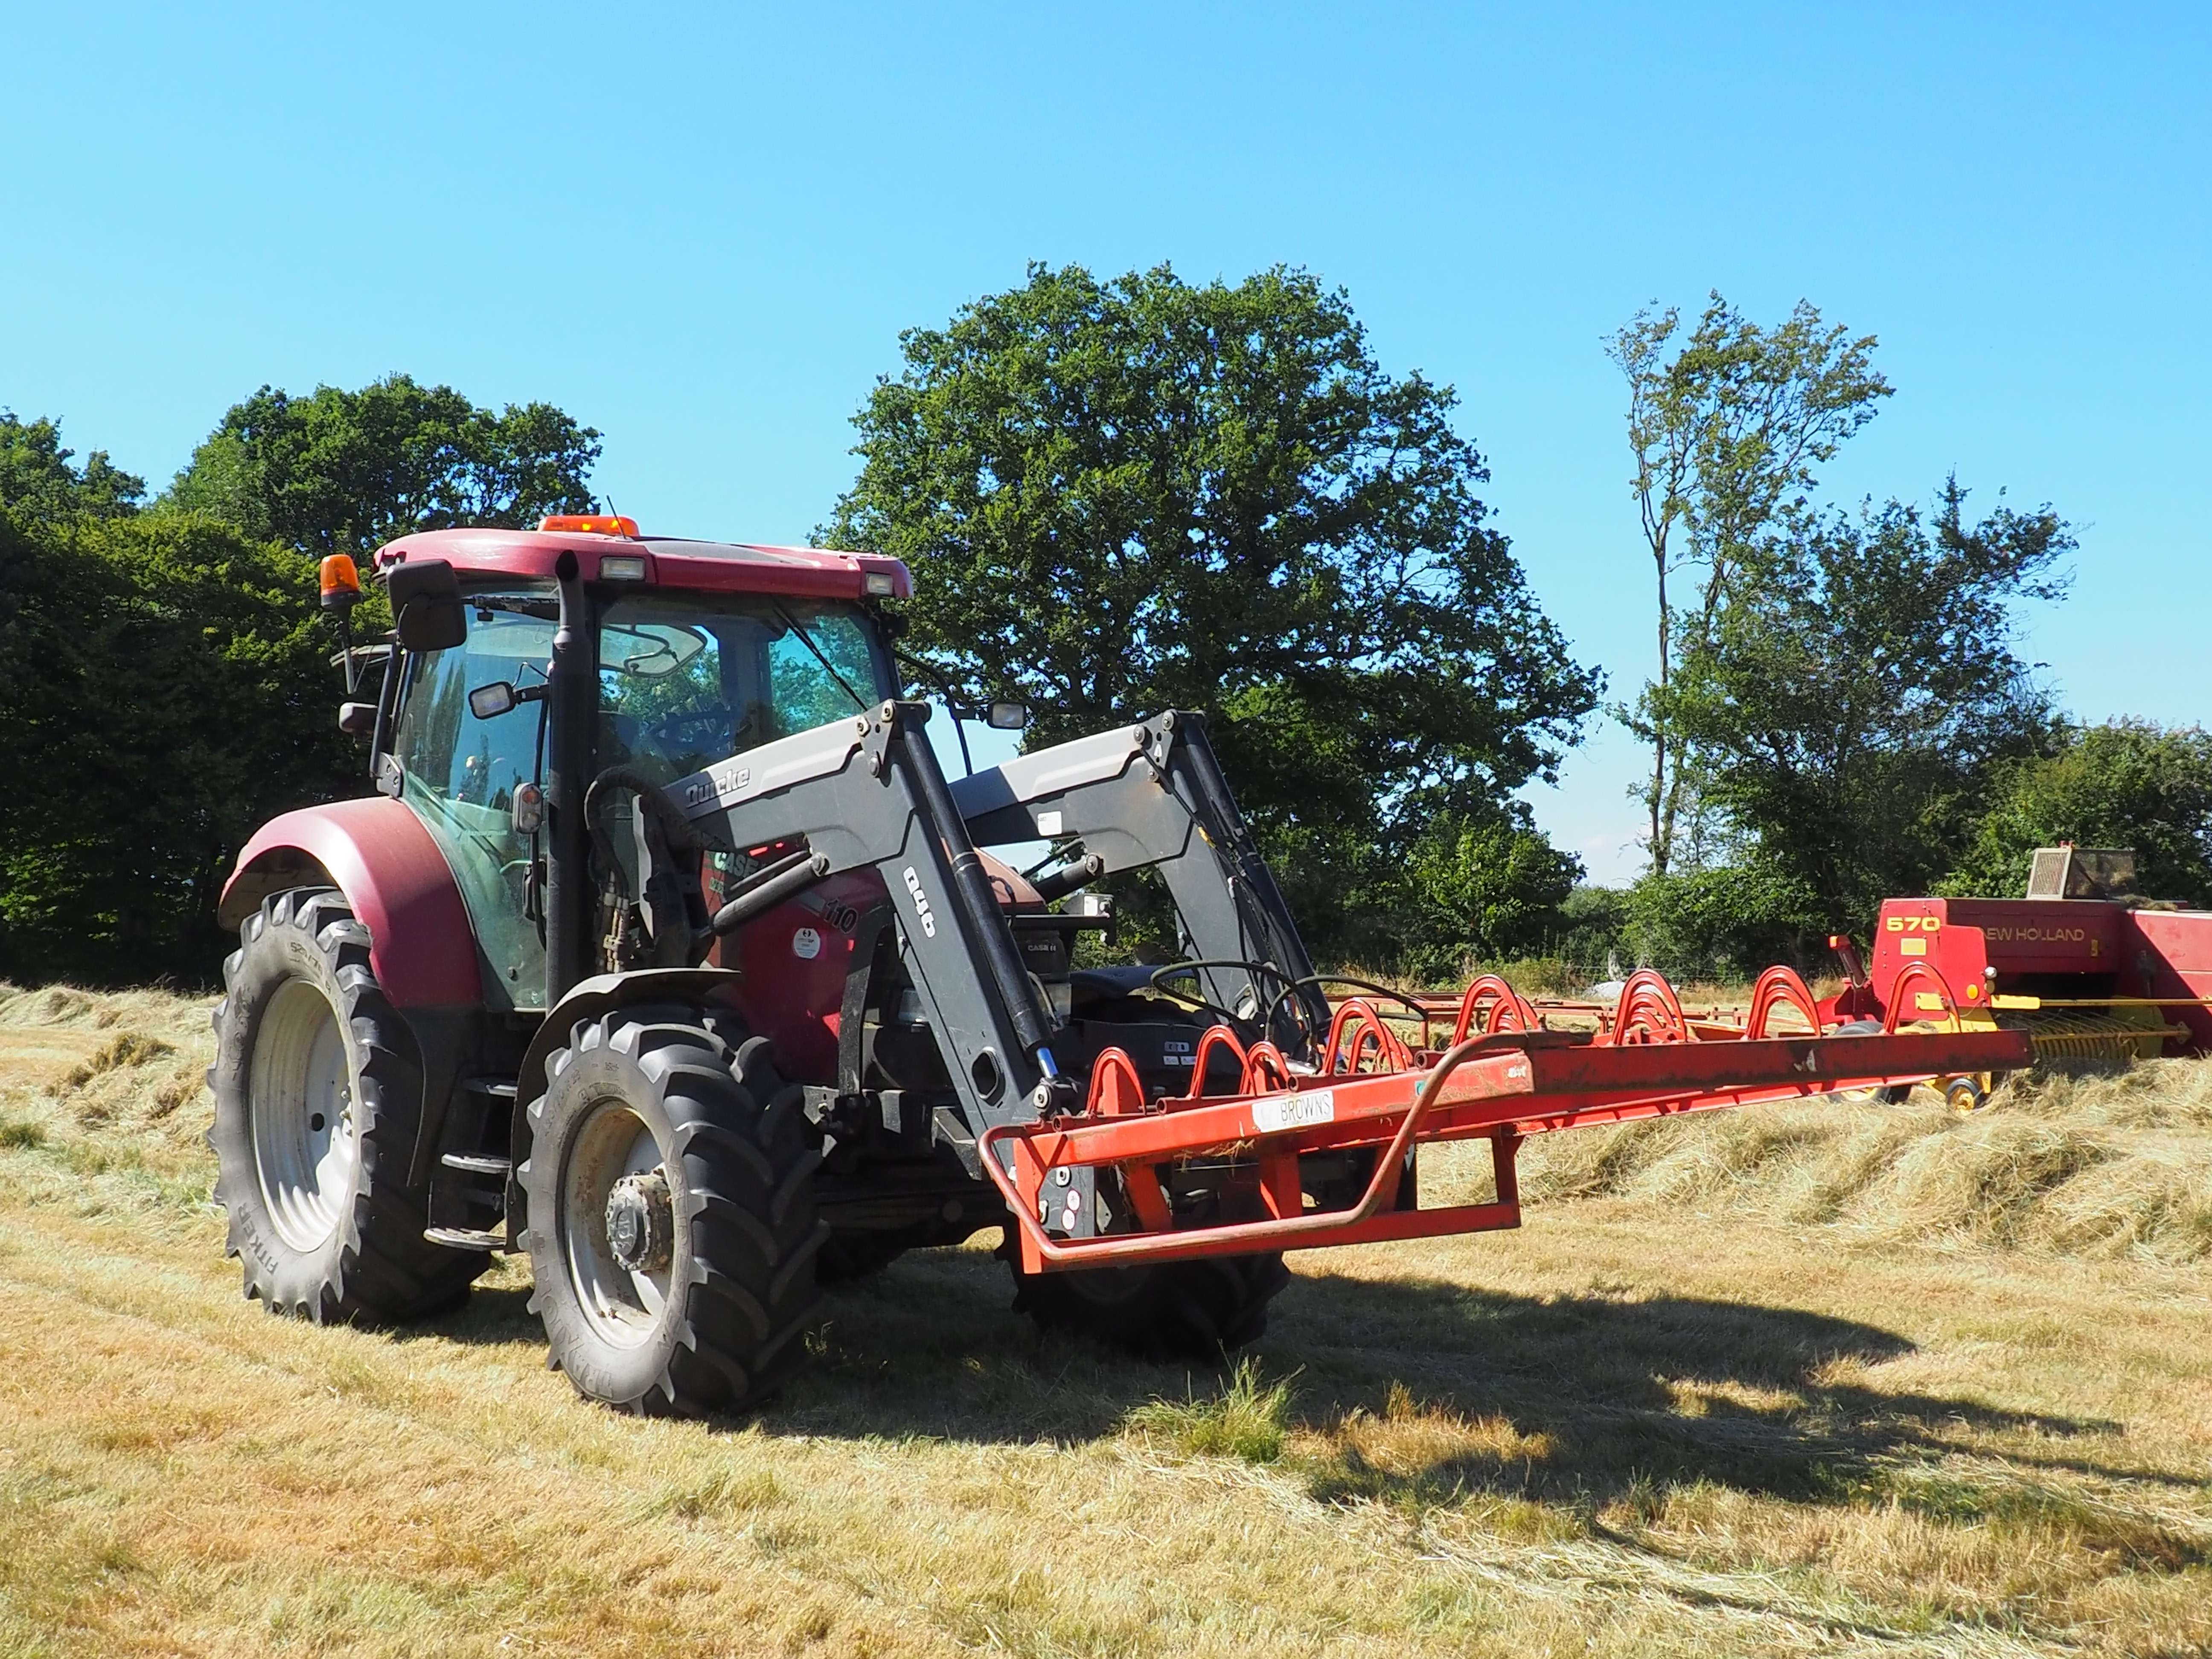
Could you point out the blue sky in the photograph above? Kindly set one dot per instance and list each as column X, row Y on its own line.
column 700, row 230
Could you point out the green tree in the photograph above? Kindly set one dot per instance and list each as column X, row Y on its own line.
column 38, row 481
column 2126, row 783
column 1128, row 494
column 164, row 687
column 1724, row 922
column 1727, row 435
column 340, row 472
column 1859, row 692
column 1491, row 884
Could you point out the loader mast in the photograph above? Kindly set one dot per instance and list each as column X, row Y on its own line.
column 1151, row 795
column 867, row 792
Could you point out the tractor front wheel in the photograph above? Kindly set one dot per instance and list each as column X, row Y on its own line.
column 317, row 1096
column 1174, row 1310
column 672, row 1224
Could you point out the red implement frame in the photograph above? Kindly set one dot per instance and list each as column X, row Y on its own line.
column 1503, row 1083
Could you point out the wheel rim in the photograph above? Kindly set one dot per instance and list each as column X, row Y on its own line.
column 623, row 1306
column 307, row 1141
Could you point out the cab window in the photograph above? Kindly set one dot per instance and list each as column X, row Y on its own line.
column 445, row 750
column 460, row 775
column 684, row 683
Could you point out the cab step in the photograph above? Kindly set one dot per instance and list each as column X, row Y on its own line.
column 465, row 1238
column 478, row 1163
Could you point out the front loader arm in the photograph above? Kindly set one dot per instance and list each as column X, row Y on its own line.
column 1153, row 795
column 867, row 792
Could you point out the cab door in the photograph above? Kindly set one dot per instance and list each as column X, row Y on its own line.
column 460, row 775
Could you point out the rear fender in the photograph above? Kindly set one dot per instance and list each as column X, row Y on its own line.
column 377, row 854
column 421, row 946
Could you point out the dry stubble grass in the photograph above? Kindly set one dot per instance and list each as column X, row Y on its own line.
column 1811, row 1380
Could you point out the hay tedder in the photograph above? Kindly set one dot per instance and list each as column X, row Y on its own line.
column 666, row 953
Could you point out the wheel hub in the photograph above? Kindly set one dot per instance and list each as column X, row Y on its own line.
column 640, row 1223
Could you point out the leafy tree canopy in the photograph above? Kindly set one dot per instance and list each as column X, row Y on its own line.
column 1727, row 436
column 1128, row 494
column 2128, row 783
column 1860, row 691
column 38, row 481
column 164, row 687
column 1486, row 882
column 340, row 472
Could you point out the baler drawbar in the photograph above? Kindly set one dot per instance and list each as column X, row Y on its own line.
column 1501, row 1083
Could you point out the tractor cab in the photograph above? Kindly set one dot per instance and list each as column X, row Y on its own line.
column 681, row 678
column 682, row 654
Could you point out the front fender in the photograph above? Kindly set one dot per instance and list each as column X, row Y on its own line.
column 603, row 994
column 377, row 854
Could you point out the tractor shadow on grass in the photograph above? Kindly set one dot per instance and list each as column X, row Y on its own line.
column 1420, row 1391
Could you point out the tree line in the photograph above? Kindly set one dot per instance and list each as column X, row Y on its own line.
column 1838, row 711
column 1128, row 494
column 167, row 680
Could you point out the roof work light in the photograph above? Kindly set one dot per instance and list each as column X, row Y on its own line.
column 591, row 524
column 341, row 583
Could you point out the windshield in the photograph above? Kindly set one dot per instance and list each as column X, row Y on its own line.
column 684, row 683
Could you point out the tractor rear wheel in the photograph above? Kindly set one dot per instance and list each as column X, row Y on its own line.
column 318, row 1097
column 673, row 1237
column 1176, row 1309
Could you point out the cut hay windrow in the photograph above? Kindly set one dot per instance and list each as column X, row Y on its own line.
column 2095, row 1164
column 1804, row 1389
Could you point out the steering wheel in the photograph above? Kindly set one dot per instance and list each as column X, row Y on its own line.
column 689, row 728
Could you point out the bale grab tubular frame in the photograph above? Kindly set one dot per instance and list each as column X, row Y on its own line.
column 1503, row 1076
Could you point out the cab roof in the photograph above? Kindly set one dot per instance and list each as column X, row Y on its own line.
column 670, row 562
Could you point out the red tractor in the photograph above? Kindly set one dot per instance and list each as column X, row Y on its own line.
column 666, row 953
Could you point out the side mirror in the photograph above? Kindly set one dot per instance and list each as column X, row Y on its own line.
column 426, row 598
column 357, row 720
column 489, row 703
column 1007, row 716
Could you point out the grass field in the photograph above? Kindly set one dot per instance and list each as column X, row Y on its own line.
column 1815, row 1379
